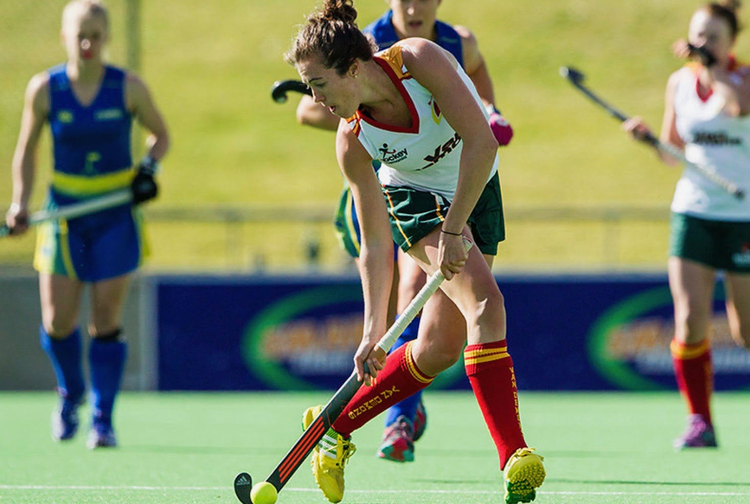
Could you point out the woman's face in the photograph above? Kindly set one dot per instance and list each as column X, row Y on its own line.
column 84, row 37
column 338, row 93
column 414, row 18
column 712, row 32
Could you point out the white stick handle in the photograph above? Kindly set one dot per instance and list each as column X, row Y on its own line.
column 85, row 207
column 416, row 304
column 706, row 171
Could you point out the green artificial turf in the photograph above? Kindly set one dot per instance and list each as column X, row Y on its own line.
column 187, row 448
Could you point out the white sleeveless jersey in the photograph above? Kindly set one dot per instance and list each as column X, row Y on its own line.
column 425, row 156
column 712, row 139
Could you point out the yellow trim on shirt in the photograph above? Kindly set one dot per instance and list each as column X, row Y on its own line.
column 80, row 185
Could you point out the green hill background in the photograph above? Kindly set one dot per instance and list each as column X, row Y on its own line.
column 210, row 66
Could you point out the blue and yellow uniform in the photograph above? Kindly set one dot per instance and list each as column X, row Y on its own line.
column 92, row 157
column 384, row 34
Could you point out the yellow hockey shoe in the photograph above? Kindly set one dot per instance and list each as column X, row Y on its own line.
column 328, row 458
column 523, row 473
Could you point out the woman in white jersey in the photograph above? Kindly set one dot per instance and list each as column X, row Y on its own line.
column 416, row 111
column 707, row 113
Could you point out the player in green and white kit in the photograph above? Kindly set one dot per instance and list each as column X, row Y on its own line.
column 707, row 112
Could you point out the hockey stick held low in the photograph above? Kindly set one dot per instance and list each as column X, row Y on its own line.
column 281, row 88
column 243, row 482
column 576, row 78
column 114, row 199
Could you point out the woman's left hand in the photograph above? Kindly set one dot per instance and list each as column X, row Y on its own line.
column 452, row 254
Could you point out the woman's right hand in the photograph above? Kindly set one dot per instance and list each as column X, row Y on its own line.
column 17, row 219
column 372, row 355
column 637, row 128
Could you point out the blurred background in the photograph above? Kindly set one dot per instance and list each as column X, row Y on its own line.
column 243, row 224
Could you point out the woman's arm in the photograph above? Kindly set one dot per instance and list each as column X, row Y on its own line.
column 376, row 253
column 431, row 67
column 139, row 102
column 35, row 110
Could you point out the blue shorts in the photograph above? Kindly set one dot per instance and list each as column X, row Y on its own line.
column 90, row 248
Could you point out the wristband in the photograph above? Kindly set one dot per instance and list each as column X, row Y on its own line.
column 449, row 233
column 149, row 165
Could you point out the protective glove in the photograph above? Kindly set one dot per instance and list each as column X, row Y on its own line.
column 500, row 126
column 144, row 186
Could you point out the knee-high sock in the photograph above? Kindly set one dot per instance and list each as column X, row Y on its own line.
column 399, row 379
column 694, row 372
column 106, row 363
column 65, row 355
column 490, row 371
column 407, row 407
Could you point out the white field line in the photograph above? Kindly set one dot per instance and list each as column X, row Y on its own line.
column 415, row 491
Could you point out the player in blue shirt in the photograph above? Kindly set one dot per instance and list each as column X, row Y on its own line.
column 406, row 421
column 89, row 107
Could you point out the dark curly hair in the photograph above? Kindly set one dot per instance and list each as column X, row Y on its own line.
column 332, row 34
column 727, row 11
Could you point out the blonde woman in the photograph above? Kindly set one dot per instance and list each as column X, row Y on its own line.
column 89, row 106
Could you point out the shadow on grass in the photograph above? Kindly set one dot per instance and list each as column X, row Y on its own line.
column 201, row 449
column 653, row 483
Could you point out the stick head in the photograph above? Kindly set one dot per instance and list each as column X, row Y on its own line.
column 243, row 483
column 278, row 93
column 572, row 74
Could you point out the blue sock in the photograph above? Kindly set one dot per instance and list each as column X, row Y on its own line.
column 106, row 363
column 65, row 355
column 407, row 407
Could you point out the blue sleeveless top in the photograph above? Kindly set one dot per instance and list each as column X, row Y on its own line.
column 385, row 35
column 91, row 143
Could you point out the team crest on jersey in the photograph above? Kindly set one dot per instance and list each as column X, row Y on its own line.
column 108, row 114
column 435, row 109
column 390, row 156
column 65, row 116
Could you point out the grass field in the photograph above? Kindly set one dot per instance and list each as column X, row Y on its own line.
column 187, row 448
column 210, row 66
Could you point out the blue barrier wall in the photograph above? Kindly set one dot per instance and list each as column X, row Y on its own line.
column 582, row 332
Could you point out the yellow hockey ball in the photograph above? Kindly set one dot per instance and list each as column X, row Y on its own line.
column 263, row 493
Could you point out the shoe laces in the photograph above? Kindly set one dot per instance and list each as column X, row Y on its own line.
column 347, row 450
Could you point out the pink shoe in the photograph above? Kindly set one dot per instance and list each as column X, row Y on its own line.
column 698, row 434
column 398, row 443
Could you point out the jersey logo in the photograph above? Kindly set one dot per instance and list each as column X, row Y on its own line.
column 441, row 151
column 742, row 258
column 720, row 138
column 108, row 114
column 390, row 156
column 435, row 109
column 65, row 116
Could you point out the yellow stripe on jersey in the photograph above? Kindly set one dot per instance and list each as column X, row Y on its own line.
column 78, row 185
column 683, row 352
column 65, row 250
column 395, row 60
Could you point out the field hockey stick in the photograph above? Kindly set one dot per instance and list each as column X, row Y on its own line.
column 76, row 210
column 576, row 78
column 243, row 483
column 281, row 88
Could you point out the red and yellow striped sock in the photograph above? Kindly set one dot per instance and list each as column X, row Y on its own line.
column 695, row 375
column 490, row 371
column 399, row 379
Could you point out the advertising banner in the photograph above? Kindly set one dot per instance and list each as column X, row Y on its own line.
column 567, row 332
